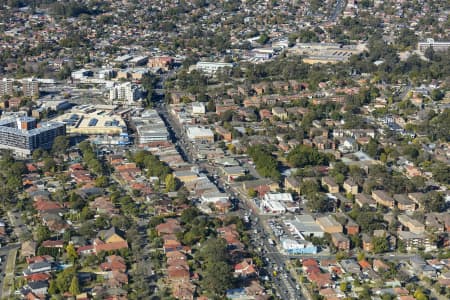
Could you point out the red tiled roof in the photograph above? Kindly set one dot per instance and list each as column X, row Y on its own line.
column 111, row 246
column 53, row 244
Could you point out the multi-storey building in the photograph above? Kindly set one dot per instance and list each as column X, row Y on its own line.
column 430, row 43
column 125, row 92
column 30, row 87
column 6, row 87
column 22, row 135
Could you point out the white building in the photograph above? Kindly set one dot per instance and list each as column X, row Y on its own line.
column 348, row 146
column 126, row 92
column 437, row 46
column 213, row 197
column 30, row 87
column 211, row 67
column 272, row 207
column 198, row 108
column 304, row 225
column 280, row 197
column 6, row 86
column 150, row 127
column 200, row 134
column 298, row 247
column 278, row 203
column 81, row 74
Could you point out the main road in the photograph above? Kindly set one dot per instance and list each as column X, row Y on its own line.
column 283, row 282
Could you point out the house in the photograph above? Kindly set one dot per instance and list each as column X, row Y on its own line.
column 53, row 244
column 350, row 266
column 280, row 113
column 383, row 198
column 183, row 290
column 28, row 249
column 350, row 186
column 172, row 245
column 245, row 268
column 321, row 280
column 185, row 176
column 38, row 287
column 231, row 236
column 331, row 185
column 231, row 173
column 261, row 186
column 38, row 267
column 109, row 240
column 116, row 279
column 178, row 273
column 379, row 265
column 292, row 183
column 340, row 241
column 114, row 263
column 170, row 226
column 349, row 145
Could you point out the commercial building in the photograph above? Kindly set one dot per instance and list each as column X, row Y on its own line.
column 22, row 136
column 150, row 127
column 92, row 120
column 430, row 43
column 329, row 224
column 200, row 134
column 211, row 67
column 291, row 246
column 272, row 207
column 233, row 172
column 30, row 87
column 277, row 203
column 304, row 226
column 198, row 108
column 6, row 87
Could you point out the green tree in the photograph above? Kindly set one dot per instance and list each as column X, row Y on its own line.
column 214, row 249
column 217, row 277
column 72, row 254
column 263, row 38
column 60, row 144
column 252, row 193
column 170, row 183
column 42, row 233
column 102, row 181
column 302, row 156
column 380, row 244
column 74, row 288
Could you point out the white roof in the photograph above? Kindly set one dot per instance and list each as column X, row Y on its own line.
column 274, row 205
column 285, row 197
column 194, row 132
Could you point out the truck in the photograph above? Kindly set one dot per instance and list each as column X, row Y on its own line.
column 271, row 242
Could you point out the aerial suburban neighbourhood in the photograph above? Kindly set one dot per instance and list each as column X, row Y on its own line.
column 227, row 149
